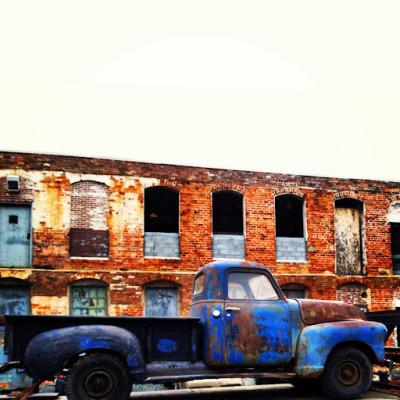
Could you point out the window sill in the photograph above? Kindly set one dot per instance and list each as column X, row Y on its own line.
column 292, row 261
column 89, row 258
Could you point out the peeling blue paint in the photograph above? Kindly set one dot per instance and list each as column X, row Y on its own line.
column 167, row 346
column 88, row 343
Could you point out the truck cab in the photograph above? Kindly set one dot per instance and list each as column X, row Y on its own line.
column 246, row 318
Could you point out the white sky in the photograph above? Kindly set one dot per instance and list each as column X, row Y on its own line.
column 303, row 87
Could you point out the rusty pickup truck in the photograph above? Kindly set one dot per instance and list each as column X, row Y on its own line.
column 240, row 325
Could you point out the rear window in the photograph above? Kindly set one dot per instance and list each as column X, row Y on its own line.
column 198, row 286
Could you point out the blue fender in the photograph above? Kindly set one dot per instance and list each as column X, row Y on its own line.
column 50, row 352
column 316, row 342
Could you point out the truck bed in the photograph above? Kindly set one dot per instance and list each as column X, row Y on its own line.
column 153, row 333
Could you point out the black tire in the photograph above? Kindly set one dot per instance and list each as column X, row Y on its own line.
column 347, row 374
column 98, row 376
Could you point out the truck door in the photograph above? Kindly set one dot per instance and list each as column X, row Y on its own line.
column 256, row 321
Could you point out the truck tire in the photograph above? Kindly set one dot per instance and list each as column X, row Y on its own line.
column 98, row 376
column 347, row 374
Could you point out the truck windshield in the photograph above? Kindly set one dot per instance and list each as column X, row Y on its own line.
column 252, row 286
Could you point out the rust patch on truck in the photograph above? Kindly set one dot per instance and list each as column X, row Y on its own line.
column 318, row 311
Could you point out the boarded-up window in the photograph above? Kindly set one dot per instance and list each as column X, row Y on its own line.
column 89, row 236
column 227, row 209
column 349, row 225
column 354, row 293
column 89, row 298
column 161, row 301
column 14, row 297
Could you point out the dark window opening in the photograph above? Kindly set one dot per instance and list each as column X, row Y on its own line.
column 349, row 203
column 13, row 219
column 289, row 216
column 161, row 210
column 227, row 212
column 13, row 183
column 395, row 238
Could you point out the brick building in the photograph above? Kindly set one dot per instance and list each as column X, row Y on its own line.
column 105, row 237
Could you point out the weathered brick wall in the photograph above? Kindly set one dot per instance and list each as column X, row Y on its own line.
column 47, row 182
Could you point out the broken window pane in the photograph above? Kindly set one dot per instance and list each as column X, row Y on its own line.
column 88, row 300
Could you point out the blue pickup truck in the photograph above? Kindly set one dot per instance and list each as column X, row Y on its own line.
column 240, row 325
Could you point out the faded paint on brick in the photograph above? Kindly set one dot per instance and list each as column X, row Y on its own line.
column 46, row 184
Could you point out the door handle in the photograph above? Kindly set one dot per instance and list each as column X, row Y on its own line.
column 232, row 309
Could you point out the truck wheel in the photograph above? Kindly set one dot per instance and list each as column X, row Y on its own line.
column 98, row 376
column 347, row 374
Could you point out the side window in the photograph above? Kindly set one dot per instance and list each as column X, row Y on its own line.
column 198, row 286
column 250, row 286
column 89, row 298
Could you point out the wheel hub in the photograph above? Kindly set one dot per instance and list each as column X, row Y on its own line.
column 349, row 373
column 99, row 384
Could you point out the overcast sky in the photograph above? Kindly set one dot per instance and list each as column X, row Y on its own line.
column 303, row 87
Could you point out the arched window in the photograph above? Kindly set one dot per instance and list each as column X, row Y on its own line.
column 161, row 222
column 228, row 225
column 161, row 298
column 89, row 236
column 394, row 219
column 15, row 297
column 290, row 228
column 88, row 297
column 227, row 212
column 349, row 236
column 294, row 290
column 161, row 210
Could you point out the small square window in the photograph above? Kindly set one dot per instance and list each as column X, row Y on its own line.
column 13, row 183
column 13, row 219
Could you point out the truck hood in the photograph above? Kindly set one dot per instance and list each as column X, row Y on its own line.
column 320, row 311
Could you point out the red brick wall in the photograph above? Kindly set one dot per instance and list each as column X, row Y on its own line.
column 46, row 183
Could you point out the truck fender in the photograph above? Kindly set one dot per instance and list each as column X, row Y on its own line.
column 48, row 353
column 316, row 342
